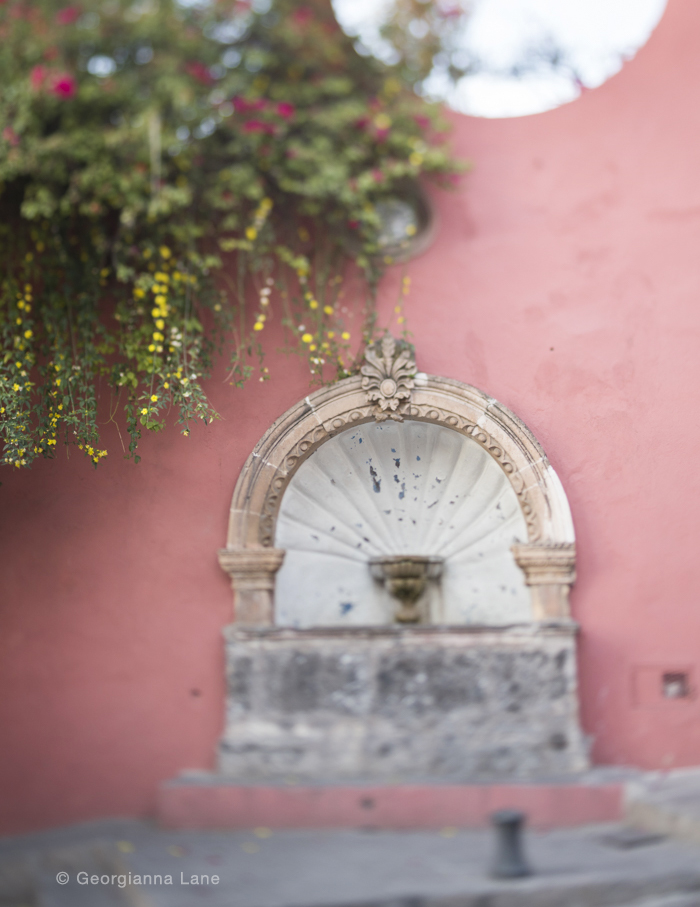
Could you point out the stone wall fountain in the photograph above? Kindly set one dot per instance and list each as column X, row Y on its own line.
column 401, row 554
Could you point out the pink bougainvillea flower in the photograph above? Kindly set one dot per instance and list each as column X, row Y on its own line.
column 37, row 77
column 353, row 224
column 362, row 122
column 67, row 15
column 259, row 126
column 421, row 121
column 63, row 86
column 381, row 134
column 303, row 15
column 377, row 176
column 199, row 72
column 10, row 136
column 241, row 105
column 286, row 110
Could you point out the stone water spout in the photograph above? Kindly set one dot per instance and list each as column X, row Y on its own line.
column 405, row 577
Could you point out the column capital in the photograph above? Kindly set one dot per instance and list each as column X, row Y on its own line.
column 252, row 572
column 550, row 571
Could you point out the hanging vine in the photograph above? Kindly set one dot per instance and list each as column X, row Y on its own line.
column 162, row 164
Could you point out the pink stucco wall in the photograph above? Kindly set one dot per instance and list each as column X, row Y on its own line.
column 565, row 281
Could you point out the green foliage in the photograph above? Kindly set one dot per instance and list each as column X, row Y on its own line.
column 161, row 163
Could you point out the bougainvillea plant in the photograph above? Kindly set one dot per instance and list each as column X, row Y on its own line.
column 160, row 163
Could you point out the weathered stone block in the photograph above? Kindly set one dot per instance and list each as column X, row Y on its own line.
column 466, row 703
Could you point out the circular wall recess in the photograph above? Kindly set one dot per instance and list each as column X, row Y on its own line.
column 520, row 56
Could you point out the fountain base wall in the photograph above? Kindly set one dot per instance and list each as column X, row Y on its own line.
column 387, row 703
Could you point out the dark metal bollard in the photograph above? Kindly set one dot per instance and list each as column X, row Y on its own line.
column 510, row 861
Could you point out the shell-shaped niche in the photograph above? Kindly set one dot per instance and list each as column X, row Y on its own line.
column 394, row 488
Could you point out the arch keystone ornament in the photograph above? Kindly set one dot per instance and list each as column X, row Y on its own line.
column 401, row 554
column 387, row 378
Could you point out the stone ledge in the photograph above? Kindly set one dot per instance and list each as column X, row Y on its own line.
column 207, row 801
column 531, row 629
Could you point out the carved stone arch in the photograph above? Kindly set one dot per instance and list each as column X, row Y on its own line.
column 391, row 388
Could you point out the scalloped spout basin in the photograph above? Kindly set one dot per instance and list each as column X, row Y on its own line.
column 405, row 577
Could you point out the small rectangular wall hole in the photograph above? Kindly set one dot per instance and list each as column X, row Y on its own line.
column 662, row 686
column 675, row 685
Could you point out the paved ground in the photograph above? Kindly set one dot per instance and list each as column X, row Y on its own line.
column 667, row 802
column 573, row 868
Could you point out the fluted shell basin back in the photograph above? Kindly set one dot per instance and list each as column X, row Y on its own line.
column 399, row 488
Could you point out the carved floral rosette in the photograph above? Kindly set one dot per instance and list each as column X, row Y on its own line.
column 387, row 379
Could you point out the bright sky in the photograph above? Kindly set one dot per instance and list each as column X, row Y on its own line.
column 596, row 36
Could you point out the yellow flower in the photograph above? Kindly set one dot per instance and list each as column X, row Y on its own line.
column 15, row 387
column 328, row 309
column 331, row 334
column 28, row 334
column 154, row 398
column 158, row 336
column 400, row 319
column 307, row 338
column 151, row 348
column 411, row 230
column 160, row 300
column 166, row 385
column 139, row 293
column 144, row 411
column 161, row 276
column 258, row 326
column 251, row 233
column 313, row 304
column 382, row 121
column 155, row 312
column 312, row 347
column 345, row 335
column 165, row 252
column 416, row 159
column 160, row 324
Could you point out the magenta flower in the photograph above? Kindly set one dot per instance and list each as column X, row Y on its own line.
column 286, row 110
column 199, row 72
column 37, row 77
column 63, row 86
column 259, row 126
column 302, row 15
column 240, row 105
column 10, row 136
column 67, row 15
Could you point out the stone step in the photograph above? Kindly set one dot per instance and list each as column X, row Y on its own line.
column 667, row 803
column 204, row 800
